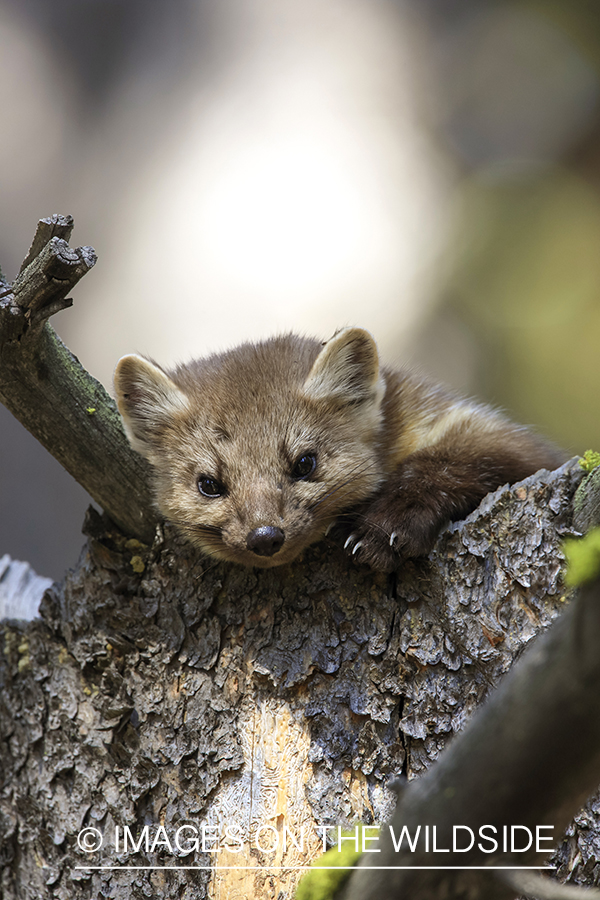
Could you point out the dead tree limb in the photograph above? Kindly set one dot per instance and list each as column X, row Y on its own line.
column 50, row 392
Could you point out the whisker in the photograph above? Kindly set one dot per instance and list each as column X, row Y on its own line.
column 336, row 495
column 366, row 520
column 208, row 569
column 196, row 527
column 358, row 470
column 211, row 540
column 336, row 498
column 208, row 535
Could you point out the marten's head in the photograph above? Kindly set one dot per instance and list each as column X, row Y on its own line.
column 257, row 450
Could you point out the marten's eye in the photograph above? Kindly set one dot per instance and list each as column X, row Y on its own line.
column 208, row 487
column 304, row 466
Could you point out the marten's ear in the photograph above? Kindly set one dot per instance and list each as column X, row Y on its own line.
column 147, row 400
column 347, row 370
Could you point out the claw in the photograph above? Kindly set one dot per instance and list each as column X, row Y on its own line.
column 392, row 538
column 360, row 543
column 352, row 537
column 329, row 527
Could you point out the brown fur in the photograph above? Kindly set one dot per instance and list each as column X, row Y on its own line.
column 396, row 458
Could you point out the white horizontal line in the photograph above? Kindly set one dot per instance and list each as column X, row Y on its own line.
column 297, row 868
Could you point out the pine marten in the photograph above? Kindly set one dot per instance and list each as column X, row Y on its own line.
column 259, row 450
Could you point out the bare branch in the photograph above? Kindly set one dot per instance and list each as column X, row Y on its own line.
column 47, row 280
column 54, row 397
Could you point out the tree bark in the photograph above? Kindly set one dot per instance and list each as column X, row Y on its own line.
column 201, row 693
column 160, row 689
column 502, row 771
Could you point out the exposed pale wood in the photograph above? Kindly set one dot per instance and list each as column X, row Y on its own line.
column 21, row 590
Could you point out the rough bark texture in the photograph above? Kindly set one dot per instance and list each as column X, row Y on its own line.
column 203, row 693
column 502, row 770
column 587, row 502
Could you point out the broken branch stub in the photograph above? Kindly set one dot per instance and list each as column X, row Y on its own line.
column 53, row 226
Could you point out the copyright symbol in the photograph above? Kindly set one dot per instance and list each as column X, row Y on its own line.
column 89, row 840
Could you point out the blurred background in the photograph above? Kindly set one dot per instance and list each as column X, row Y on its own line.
column 428, row 169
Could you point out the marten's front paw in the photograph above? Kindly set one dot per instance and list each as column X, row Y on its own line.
column 383, row 543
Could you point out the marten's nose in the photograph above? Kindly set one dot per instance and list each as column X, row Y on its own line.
column 265, row 540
